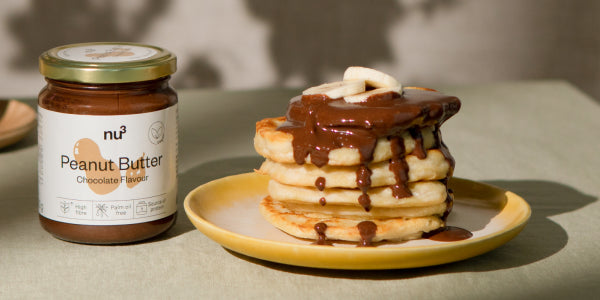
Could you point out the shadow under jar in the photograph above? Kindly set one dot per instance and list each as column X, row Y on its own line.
column 107, row 134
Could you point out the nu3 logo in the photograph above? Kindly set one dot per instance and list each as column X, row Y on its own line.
column 115, row 134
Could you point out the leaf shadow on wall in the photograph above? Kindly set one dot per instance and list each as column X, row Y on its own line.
column 312, row 38
column 47, row 24
column 198, row 73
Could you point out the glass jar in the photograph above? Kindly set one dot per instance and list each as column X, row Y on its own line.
column 107, row 135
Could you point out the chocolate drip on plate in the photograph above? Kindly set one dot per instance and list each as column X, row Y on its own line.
column 448, row 234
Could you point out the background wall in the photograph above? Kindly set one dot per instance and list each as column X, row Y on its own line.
column 247, row 44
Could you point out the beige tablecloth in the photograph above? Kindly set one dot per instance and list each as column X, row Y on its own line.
column 540, row 140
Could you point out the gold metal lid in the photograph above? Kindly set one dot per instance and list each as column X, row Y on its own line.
column 107, row 62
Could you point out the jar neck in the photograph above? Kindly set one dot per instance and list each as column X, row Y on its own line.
column 160, row 83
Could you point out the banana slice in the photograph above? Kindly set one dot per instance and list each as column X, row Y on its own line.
column 371, row 77
column 363, row 96
column 337, row 89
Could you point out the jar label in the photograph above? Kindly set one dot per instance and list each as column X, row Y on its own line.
column 107, row 170
column 106, row 53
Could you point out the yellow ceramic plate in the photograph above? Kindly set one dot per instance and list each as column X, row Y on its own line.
column 226, row 210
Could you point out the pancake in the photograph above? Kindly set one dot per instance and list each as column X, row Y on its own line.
column 358, row 160
column 358, row 212
column 434, row 167
column 424, row 193
column 277, row 145
column 345, row 229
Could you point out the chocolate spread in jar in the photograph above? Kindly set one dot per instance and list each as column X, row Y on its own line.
column 94, row 199
column 320, row 124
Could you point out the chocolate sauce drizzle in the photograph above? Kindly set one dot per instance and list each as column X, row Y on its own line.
column 367, row 231
column 399, row 168
column 439, row 144
column 419, row 150
column 320, row 124
column 363, row 181
column 323, row 201
column 449, row 204
column 320, row 183
column 320, row 229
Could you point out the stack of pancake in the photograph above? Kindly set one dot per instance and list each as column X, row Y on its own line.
column 360, row 160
